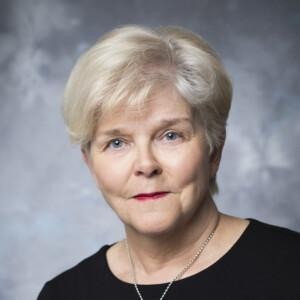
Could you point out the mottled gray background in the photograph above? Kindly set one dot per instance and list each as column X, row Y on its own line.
column 51, row 214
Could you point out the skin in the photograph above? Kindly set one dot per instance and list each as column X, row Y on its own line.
column 159, row 148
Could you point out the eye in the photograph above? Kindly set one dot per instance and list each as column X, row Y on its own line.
column 115, row 144
column 172, row 135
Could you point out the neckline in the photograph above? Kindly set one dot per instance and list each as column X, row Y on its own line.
column 210, row 269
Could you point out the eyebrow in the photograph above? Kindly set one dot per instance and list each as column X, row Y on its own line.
column 161, row 123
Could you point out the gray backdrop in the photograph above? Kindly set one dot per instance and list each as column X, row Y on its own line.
column 52, row 216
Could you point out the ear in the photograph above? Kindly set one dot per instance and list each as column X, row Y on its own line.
column 215, row 157
column 86, row 157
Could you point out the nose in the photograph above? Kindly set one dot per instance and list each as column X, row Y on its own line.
column 146, row 163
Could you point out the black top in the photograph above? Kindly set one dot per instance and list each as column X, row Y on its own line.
column 263, row 264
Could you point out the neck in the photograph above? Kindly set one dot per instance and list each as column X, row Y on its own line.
column 172, row 250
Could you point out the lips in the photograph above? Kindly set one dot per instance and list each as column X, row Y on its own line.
column 150, row 196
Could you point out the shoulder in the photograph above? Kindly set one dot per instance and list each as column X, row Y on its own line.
column 83, row 275
column 271, row 246
column 270, row 235
column 267, row 258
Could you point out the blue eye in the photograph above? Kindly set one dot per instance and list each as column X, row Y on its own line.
column 172, row 135
column 115, row 144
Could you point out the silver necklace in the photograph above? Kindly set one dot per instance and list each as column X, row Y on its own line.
column 180, row 274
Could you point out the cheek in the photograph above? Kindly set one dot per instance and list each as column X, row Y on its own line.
column 111, row 174
column 188, row 167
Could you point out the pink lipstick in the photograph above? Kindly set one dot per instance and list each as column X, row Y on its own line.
column 150, row 196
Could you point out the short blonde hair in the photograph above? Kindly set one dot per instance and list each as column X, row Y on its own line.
column 130, row 62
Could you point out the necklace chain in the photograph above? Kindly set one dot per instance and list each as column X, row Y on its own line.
column 181, row 273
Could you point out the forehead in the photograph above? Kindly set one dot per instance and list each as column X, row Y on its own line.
column 163, row 104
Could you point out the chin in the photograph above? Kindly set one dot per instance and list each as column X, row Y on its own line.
column 155, row 225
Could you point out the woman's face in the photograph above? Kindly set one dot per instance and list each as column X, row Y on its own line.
column 156, row 149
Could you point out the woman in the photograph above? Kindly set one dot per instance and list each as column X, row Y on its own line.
column 149, row 109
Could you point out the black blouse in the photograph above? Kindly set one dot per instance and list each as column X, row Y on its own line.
column 263, row 264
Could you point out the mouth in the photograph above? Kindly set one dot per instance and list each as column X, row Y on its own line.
column 150, row 196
